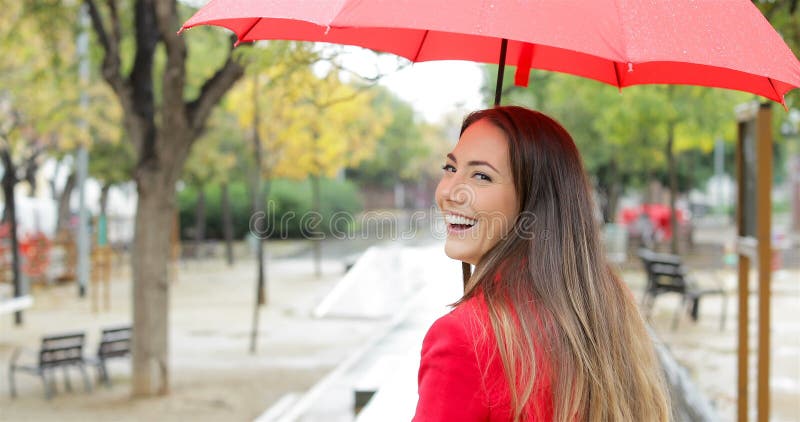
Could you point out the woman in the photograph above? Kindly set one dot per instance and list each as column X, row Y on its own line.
column 546, row 330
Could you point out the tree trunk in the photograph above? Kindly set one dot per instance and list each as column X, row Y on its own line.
column 227, row 224
column 673, row 187
column 200, row 221
column 154, row 219
column 104, row 198
column 62, row 219
column 9, row 181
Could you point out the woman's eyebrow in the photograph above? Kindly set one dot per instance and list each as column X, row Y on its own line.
column 473, row 163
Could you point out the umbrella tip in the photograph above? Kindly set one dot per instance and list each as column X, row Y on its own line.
column 180, row 31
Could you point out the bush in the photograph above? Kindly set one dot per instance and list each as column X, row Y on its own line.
column 289, row 209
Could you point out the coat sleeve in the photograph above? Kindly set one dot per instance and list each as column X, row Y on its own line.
column 450, row 383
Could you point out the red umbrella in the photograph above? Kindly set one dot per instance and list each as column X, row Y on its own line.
column 716, row 43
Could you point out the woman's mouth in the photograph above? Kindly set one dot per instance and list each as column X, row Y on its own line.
column 459, row 223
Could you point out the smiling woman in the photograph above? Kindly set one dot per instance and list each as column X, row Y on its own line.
column 545, row 330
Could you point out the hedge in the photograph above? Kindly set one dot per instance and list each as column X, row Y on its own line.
column 288, row 207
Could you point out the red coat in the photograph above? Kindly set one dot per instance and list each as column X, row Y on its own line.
column 461, row 376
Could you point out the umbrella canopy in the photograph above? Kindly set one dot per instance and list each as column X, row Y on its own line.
column 716, row 43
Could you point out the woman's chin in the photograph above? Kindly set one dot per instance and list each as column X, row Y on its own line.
column 459, row 253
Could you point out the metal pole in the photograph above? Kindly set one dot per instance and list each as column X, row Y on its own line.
column 258, row 207
column 498, row 91
column 82, row 162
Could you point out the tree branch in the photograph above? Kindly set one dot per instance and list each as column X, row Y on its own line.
column 111, row 60
column 368, row 79
column 212, row 92
column 115, row 29
column 141, row 117
column 174, row 71
column 321, row 105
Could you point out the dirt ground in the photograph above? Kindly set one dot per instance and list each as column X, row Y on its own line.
column 213, row 375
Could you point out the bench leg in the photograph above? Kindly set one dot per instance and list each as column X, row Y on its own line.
column 11, row 385
column 67, row 384
column 86, row 381
column 49, row 386
column 102, row 373
column 106, row 378
column 695, row 308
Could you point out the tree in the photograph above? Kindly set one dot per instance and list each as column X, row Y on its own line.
column 784, row 16
column 20, row 149
column 37, row 94
column 111, row 164
column 398, row 148
column 221, row 158
column 311, row 127
column 166, row 104
column 209, row 163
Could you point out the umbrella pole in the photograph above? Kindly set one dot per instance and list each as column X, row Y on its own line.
column 498, row 91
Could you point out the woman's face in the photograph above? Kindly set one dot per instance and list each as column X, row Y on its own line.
column 476, row 193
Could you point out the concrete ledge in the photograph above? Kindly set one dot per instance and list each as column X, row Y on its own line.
column 8, row 306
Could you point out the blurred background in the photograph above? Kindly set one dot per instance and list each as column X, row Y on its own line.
column 295, row 184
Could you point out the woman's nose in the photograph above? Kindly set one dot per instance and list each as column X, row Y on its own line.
column 453, row 190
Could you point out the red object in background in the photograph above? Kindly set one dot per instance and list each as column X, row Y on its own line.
column 658, row 214
column 726, row 44
column 35, row 251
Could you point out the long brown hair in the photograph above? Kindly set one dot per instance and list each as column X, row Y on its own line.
column 550, row 290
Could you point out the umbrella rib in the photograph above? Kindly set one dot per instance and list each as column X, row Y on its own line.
column 421, row 43
column 778, row 94
column 244, row 34
column 616, row 74
column 775, row 90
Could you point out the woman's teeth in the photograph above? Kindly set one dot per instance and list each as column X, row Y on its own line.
column 459, row 220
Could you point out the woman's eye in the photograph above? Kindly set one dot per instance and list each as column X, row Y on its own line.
column 449, row 167
column 482, row 176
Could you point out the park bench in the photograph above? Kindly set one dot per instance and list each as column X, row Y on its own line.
column 667, row 274
column 57, row 351
column 115, row 342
